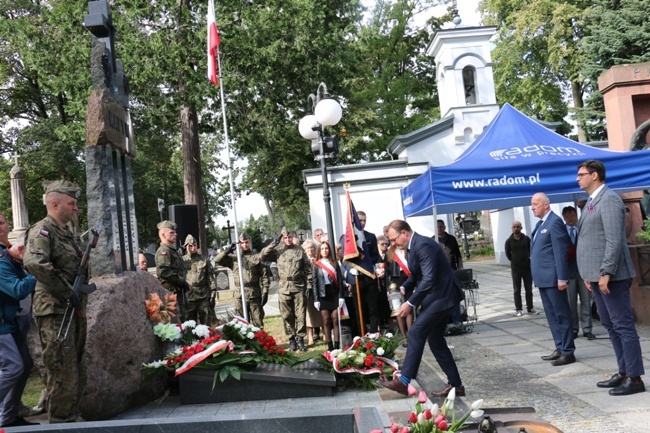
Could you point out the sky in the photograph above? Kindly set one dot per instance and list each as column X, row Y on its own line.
column 253, row 204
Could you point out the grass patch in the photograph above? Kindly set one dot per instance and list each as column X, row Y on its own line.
column 33, row 389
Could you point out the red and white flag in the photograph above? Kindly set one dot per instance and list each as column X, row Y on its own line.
column 213, row 46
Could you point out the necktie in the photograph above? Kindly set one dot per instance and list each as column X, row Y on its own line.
column 539, row 223
column 572, row 233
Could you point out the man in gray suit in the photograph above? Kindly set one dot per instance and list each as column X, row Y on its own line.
column 605, row 266
column 550, row 267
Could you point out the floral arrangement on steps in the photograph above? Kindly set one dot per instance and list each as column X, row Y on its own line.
column 227, row 349
column 369, row 358
column 436, row 419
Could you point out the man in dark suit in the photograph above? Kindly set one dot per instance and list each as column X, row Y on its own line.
column 437, row 292
column 605, row 266
column 369, row 288
column 576, row 289
column 549, row 264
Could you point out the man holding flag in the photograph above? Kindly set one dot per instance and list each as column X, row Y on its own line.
column 356, row 253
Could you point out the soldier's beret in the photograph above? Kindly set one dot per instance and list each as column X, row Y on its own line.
column 244, row 237
column 166, row 225
column 284, row 231
column 189, row 240
column 64, row 187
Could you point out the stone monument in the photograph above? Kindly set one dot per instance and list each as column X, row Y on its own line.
column 110, row 147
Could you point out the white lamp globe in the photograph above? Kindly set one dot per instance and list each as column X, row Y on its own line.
column 328, row 112
column 305, row 127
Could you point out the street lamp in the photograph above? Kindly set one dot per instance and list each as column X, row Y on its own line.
column 322, row 112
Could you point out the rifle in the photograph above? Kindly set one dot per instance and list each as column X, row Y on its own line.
column 78, row 287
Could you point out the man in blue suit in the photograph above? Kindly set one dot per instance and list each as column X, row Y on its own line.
column 606, row 267
column 549, row 264
column 437, row 292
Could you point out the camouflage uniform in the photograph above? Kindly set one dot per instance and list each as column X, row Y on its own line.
column 254, row 273
column 170, row 269
column 202, row 284
column 52, row 255
column 294, row 270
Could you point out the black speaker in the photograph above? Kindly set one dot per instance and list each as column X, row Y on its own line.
column 186, row 217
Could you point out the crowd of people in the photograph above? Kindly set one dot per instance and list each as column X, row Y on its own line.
column 583, row 259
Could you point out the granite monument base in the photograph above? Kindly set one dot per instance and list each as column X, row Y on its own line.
column 265, row 382
column 359, row 420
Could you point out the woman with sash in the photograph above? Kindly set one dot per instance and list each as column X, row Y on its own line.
column 328, row 294
column 397, row 272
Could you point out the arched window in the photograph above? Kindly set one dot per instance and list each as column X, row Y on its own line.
column 469, row 84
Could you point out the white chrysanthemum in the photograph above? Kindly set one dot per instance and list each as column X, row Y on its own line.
column 255, row 329
column 389, row 335
column 342, row 356
column 167, row 331
column 201, row 331
column 250, row 335
column 188, row 324
column 380, row 351
column 352, row 353
column 237, row 325
column 336, row 352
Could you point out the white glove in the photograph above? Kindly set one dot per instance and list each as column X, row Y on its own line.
column 317, row 305
column 353, row 271
column 341, row 302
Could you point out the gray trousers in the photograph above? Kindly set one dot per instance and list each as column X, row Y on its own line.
column 580, row 316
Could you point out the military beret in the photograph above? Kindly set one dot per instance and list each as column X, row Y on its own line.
column 64, row 187
column 189, row 240
column 284, row 231
column 244, row 237
column 166, row 225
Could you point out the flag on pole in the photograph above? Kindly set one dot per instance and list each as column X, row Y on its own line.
column 355, row 247
column 213, row 46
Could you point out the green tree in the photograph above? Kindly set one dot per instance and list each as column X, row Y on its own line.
column 619, row 33
column 538, row 55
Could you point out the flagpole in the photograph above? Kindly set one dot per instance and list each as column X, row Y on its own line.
column 232, row 192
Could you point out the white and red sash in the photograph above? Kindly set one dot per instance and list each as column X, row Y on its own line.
column 401, row 262
column 331, row 271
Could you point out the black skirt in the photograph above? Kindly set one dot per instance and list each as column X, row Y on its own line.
column 331, row 299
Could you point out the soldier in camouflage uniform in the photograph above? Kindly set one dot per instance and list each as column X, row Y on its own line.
column 255, row 274
column 52, row 256
column 203, row 289
column 170, row 267
column 294, row 270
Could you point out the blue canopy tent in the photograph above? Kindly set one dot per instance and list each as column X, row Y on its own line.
column 512, row 159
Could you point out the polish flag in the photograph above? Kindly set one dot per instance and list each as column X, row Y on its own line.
column 213, row 46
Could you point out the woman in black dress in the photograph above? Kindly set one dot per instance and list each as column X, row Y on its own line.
column 328, row 296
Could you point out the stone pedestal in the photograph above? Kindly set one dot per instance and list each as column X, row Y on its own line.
column 266, row 382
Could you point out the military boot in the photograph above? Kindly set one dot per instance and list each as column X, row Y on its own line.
column 292, row 344
column 301, row 344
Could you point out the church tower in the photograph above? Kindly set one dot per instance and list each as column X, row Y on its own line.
column 465, row 80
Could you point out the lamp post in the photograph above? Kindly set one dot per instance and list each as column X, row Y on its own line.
column 322, row 111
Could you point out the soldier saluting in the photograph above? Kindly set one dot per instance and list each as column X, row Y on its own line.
column 52, row 256
column 294, row 269
column 170, row 267
column 203, row 290
column 256, row 279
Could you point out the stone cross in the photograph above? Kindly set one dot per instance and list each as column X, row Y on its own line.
column 110, row 147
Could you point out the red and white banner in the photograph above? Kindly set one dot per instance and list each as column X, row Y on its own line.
column 213, row 46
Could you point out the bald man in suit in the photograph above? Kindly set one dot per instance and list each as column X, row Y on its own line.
column 549, row 250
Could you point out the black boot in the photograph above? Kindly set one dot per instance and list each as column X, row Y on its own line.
column 292, row 344
column 337, row 345
column 330, row 346
column 301, row 344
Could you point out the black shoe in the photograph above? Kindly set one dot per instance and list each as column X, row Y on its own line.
column 628, row 387
column 20, row 421
column 292, row 345
column 564, row 360
column 330, row 346
column 301, row 344
column 589, row 335
column 552, row 357
column 337, row 345
column 575, row 334
column 612, row 382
